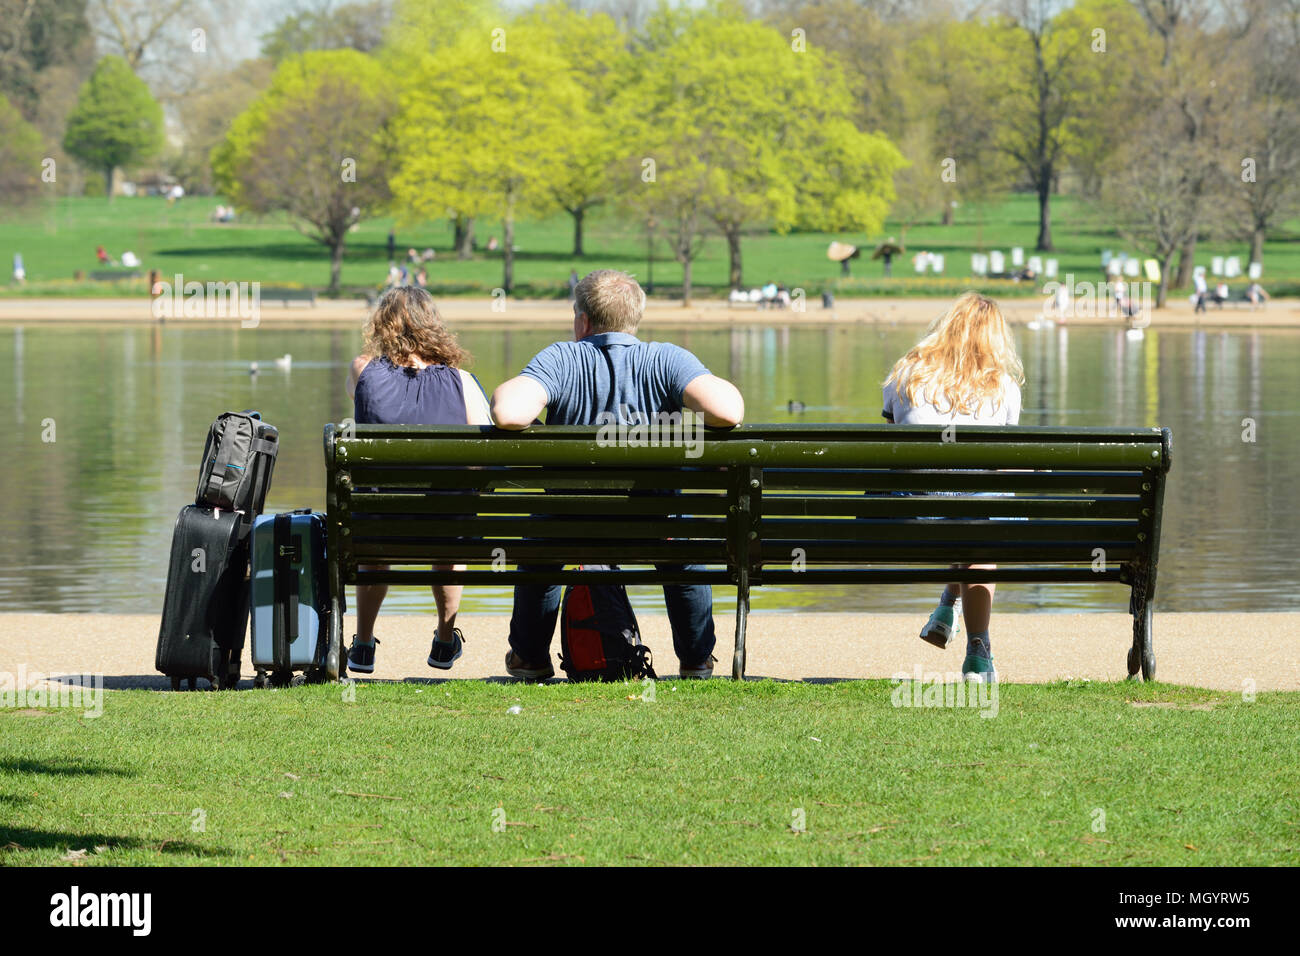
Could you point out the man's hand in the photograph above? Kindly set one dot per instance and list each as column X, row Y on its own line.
column 716, row 400
column 516, row 404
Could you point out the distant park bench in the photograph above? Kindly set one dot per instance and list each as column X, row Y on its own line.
column 784, row 505
column 113, row 275
column 274, row 294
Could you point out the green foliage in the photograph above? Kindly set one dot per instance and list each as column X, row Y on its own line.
column 116, row 121
column 355, row 26
column 20, row 156
column 746, row 129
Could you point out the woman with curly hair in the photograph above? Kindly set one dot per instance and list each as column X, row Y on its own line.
column 964, row 371
column 410, row 372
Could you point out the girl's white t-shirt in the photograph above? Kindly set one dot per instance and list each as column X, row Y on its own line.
column 897, row 407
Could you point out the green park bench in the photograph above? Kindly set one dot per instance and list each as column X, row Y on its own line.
column 782, row 505
column 285, row 295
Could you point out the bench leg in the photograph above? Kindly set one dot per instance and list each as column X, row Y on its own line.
column 1142, row 655
column 742, row 612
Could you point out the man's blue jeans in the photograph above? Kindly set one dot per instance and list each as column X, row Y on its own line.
column 690, row 612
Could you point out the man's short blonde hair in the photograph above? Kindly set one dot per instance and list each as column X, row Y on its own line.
column 613, row 301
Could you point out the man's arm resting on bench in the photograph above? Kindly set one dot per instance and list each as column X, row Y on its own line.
column 716, row 400
column 517, row 403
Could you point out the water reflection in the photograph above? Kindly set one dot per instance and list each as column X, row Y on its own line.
column 87, row 519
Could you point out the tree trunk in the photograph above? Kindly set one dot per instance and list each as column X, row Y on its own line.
column 1186, row 260
column 578, row 215
column 1044, row 243
column 108, row 183
column 1163, row 292
column 458, row 232
column 733, row 251
column 947, row 213
column 336, row 263
column 465, row 238
column 686, row 280
column 508, row 244
column 1257, row 244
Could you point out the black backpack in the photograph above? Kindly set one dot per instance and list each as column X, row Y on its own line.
column 599, row 638
column 238, row 459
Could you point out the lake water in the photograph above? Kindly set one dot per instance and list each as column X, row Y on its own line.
column 86, row 520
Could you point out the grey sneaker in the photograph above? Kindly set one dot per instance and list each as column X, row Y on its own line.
column 443, row 655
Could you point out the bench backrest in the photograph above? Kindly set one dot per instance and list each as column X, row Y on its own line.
column 778, row 504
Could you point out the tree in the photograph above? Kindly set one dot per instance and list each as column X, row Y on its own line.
column 316, row 145
column 208, row 114
column 1268, row 190
column 482, row 130
column 420, row 28
column 37, row 36
column 592, row 144
column 352, row 26
column 116, row 121
column 20, row 156
column 749, row 130
column 1203, row 74
column 168, row 43
column 1156, row 197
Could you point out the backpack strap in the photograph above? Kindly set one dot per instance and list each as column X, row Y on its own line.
column 225, row 451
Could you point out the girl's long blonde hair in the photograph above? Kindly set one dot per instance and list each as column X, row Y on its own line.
column 960, row 364
column 406, row 323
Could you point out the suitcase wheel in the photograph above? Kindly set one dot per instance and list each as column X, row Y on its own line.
column 260, row 680
column 281, row 678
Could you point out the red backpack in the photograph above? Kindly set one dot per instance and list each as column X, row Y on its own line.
column 599, row 638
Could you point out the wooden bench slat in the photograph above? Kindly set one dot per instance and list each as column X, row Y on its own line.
column 502, row 503
column 873, row 532
column 541, row 527
column 818, row 550
column 1122, row 482
column 545, row 479
column 361, row 452
column 860, row 506
column 533, row 552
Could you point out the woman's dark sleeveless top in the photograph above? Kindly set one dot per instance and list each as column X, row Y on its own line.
column 389, row 394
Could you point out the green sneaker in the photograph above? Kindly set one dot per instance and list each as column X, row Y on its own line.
column 979, row 669
column 979, row 666
column 941, row 628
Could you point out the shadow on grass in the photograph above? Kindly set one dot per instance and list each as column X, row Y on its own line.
column 21, row 839
column 61, row 768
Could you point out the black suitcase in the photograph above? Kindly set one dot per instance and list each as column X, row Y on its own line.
column 205, row 611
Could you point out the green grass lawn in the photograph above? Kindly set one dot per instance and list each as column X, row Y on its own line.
column 708, row 773
column 59, row 237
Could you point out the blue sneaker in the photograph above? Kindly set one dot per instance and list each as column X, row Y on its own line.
column 443, row 655
column 361, row 657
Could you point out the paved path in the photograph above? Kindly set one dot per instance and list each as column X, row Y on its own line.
column 1279, row 313
column 1220, row 651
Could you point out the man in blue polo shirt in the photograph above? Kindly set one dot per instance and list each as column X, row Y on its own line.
column 607, row 374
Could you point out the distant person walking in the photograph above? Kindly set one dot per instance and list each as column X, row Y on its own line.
column 410, row 372
column 20, row 273
column 965, row 371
